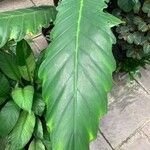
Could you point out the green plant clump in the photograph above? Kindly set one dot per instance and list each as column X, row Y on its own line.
column 133, row 37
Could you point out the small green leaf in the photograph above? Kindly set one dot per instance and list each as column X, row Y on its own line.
column 130, row 38
column 38, row 133
column 38, row 104
column 139, row 38
column 23, row 97
column 8, row 65
column 22, row 132
column 137, row 20
column 8, row 118
column 142, row 26
column 146, row 48
column 137, row 7
column 146, row 7
column 126, row 5
column 25, row 60
column 36, row 145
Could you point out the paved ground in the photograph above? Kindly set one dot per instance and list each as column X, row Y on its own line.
column 127, row 124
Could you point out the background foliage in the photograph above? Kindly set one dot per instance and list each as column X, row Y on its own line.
column 133, row 37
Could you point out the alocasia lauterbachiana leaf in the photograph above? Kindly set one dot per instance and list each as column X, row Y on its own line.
column 77, row 72
column 16, row 24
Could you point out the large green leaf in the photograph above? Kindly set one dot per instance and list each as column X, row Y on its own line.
column 22, row 132
column 16, row 24
column 77, row 72
column 9, row 66
column 25, row 60
column 23, row 97
column 8, row 118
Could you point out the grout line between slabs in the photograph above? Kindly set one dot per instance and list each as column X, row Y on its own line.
column 148, row 138
column 132, row 134
column 147, row 91
column 106, row 140
column 33, row 2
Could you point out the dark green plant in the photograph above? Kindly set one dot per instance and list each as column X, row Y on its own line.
column 21, row 101
column 134, row 35
column 76, row 76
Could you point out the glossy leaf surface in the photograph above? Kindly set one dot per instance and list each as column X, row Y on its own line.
column 9, row 115
column 77, row 72
column 9, row 66
column 16, row 24
column 22, row 132
column 25, row 60
column 23, row 97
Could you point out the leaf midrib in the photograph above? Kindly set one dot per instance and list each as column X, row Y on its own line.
column 76, row 61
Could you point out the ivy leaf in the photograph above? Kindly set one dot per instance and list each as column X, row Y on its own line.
column 36, row 145
column 9, row 66
column 22, row 132
column 23, row 97
column 8, row 118
column 16, row 24
column 77, row 72
column 25, row 60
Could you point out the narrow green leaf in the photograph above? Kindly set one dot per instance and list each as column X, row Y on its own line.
column 9, row 66
column 8, row 118
column 16, row 24
column 77, row 72
column 22, row 132
column 36, row 145
column 25, row 60
column 23, row 97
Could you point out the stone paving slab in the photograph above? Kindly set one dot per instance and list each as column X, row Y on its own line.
column 8, row 5
column 144, row 80
column 129, row 111
column 146, row 130
column 138, row 142
column 38, row 44
column 43, row 2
